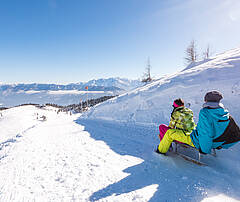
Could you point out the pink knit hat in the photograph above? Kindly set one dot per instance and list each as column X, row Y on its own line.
column 178, row 103
column 175, row 105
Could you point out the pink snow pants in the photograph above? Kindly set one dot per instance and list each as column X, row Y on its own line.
column 162, row 130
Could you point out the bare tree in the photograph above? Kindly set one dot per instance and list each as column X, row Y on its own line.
column 191, row 53
column 147, row 74
column 206, row 53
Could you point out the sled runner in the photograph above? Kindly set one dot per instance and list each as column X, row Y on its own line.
column 176, row 150
column 196, row 160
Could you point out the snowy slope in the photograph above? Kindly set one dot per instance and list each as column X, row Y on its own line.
column 92, row 160
column 60, row 97
column 107, row 153
column 153, row 103
column 54, row 160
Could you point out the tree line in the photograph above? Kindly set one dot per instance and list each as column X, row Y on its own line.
column 82, row 106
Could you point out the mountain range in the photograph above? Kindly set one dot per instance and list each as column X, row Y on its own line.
column 15, row 94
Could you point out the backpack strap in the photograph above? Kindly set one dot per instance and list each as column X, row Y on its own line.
column 223, row 120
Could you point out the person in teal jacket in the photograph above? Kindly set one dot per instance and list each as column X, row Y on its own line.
column 213, row 121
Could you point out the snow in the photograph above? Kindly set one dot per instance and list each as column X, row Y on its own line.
column 55, row 159
column 67, row 158
column 219, row 198
column 63, row 92
column 122, row 83
column 152, row 103
column 9, row 99
column 30, row 91
column 107, row 153
column 17, row 94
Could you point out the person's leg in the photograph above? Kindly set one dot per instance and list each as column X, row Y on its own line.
column 162, row 130
column 170, row 136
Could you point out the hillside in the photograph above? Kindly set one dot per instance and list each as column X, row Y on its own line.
column 66, row 158
column 153, row 103
column 107, row 154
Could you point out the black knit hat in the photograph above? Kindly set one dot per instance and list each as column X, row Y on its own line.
column 213, row 96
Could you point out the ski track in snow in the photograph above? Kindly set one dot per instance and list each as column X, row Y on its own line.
column 94, row 160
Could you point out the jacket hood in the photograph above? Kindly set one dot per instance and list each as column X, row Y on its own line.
column 213, row 105
column 218, row 113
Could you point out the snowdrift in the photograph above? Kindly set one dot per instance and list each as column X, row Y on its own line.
column 152, row 103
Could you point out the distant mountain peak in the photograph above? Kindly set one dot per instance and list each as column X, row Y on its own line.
column 14, row 94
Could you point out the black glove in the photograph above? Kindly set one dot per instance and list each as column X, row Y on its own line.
column 201, row 152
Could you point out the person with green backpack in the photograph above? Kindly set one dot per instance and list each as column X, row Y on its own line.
column 179, row 128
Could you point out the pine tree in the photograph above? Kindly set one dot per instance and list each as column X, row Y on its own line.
column 147, row 74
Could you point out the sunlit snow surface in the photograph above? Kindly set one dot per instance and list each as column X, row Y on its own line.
column 107, row 153
column 69, row 159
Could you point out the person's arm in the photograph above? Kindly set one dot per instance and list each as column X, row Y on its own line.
column 205, row 131
column 173, row 120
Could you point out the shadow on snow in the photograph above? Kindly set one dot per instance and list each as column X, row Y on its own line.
column 176, row 178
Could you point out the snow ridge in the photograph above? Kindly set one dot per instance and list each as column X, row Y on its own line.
column 152, row 103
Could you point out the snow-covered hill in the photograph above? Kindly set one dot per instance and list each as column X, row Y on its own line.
column 107, row 154
column 153, row 103
column 92, row 160
column 15, row 94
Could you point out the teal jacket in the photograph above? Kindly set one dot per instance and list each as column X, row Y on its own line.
column 209, row 128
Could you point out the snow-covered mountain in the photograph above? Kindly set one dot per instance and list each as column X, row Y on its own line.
column 122, row 83
column 153, row 103
column 15, row 94
column 110, row 84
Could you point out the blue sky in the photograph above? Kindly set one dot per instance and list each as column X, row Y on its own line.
column 60, row 41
